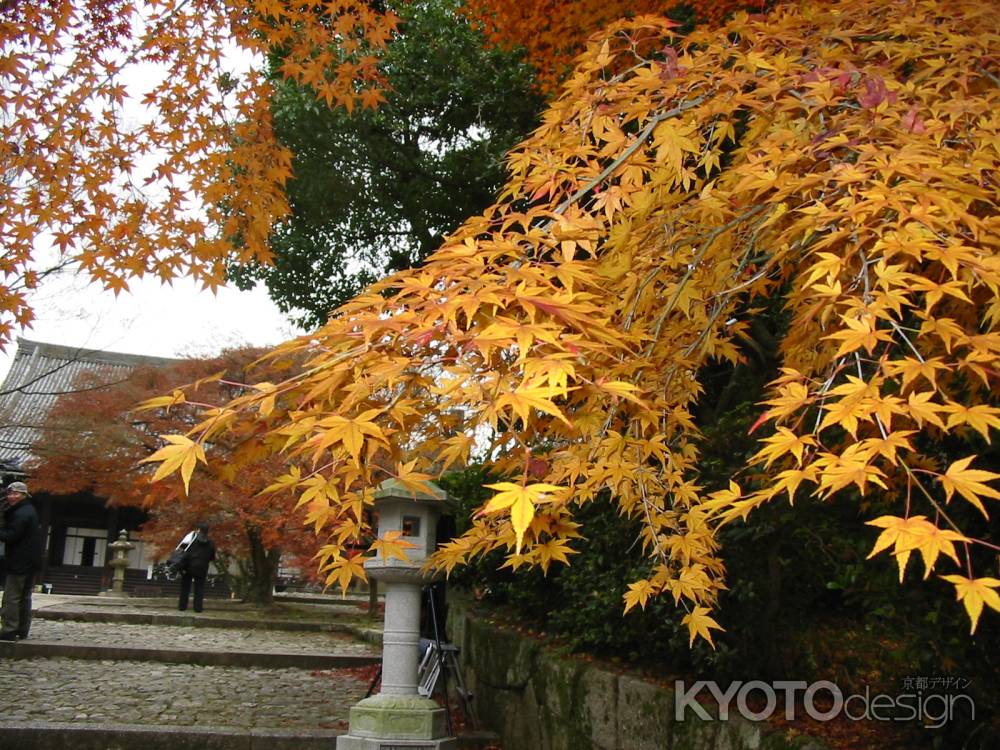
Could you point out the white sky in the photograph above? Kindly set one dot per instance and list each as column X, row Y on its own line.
column 167, row 321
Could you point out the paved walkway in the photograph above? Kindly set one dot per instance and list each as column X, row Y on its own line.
column 178, row 695
column 259, row 640
column 46, row 693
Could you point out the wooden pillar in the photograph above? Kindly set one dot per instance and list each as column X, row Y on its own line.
column 43, row 505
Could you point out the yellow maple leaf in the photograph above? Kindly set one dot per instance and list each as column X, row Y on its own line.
column 349, row 432
column 162, row 402
column 686, row 546
column 528, row 396
column 887, row 446
column 638, row 593
column 791, row 397
column 974, row 593
column 691, row 583
column 700, row 625
column 910, row 368
column 390, row 545
column 456, row 449
column 552, row 550
column 414, row 481
column 522, row 501
column 269, row 393
column 921, row 408
column 969, row 483
column 782, row 442
column 182, row 453
column 860, row 333
column 621, row 389
column 343, row 570
column 914, row 533
column 284, row 482
column 837, row 472
column 980, row 417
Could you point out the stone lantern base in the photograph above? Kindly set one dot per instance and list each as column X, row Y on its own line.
column 388, row 722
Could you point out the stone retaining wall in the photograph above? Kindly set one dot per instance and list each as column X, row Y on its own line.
column 537, row 700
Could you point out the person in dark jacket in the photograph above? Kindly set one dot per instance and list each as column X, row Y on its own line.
column 21, row 533
column 200, row 552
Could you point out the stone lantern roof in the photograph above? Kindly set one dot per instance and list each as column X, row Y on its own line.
column 392, row 487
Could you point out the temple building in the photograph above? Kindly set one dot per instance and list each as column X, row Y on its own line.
column 77, row 527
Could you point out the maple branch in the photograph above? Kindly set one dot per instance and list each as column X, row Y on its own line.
column 625, row 155
column 937, row 506
column 723, row 305
column 984, row 543
column 695, row 262
column 691, row 267
column 906, row 338
column 824, row 389
column 989, row 75
column 22, row 281
column 657, row 548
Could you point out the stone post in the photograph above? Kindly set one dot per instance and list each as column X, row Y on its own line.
column 119, row 562
column 399, row 716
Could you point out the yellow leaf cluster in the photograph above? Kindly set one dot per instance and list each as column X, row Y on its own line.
column 838, row 155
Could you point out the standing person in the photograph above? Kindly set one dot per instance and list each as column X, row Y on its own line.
column 200, row 552
column 22, row 535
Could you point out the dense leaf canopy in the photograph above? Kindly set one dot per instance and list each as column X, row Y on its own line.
column 841, row 157
column 837, row 157
column 553, row 32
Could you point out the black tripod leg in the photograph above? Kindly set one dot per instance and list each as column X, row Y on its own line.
column 442, row 663
column 374, row 682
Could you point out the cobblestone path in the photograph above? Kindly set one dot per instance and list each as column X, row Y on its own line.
column 197, row 638
column 62, row 691
column 128, row 692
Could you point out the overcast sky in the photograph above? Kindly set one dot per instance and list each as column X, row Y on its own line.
column 168, row 321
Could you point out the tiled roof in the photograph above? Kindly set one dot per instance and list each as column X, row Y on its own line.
column 40, row 374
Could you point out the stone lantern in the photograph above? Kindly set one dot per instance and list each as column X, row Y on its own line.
column 399, row 716
column 119, row 562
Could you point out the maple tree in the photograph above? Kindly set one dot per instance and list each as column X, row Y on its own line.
column 93, row 441
column 841, row 156
column 554, row 32
column 136, row 137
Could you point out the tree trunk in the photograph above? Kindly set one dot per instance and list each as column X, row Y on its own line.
column 263, row 572
column 771, row 617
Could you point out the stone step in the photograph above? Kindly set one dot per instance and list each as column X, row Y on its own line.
column 213, row 620
column 38, row 649
column 44, row 735
column 238, row 645
column 56, row 703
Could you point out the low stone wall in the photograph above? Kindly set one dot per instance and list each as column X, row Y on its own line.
column 537, row 700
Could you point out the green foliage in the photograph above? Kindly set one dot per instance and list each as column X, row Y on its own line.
column 374, row 191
